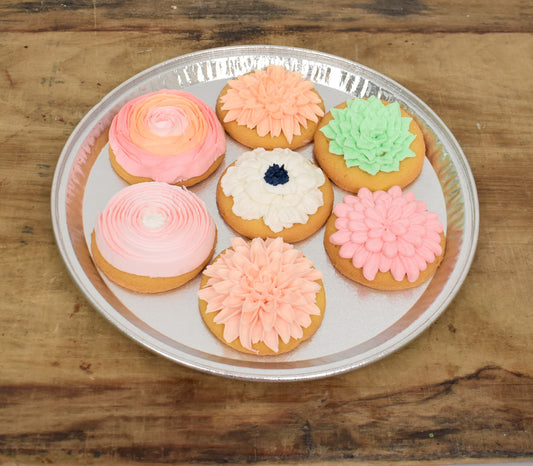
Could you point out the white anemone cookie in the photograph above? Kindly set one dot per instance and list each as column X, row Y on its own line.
column 277, row 193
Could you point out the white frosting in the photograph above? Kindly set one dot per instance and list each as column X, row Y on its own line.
column 279, row 206
column 153, row 220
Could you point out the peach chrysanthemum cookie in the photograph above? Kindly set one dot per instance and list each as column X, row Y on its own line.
column 274, row 193
column 270, row 108
column 370, row 143
column 153, row 237
column 262, row 296
column 170, row 136
column 384, row 239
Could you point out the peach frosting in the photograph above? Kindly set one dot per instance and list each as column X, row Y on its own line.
column 387, row 231
column 168, row 136
column 155, row 229
column 273, row 100
column 262, row 290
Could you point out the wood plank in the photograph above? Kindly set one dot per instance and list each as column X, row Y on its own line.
column 243, row 20
column 469, row 416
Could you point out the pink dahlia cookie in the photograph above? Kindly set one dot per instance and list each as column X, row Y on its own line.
column 270, row 108
column 262, row 296
column 169, row 135
column 384, row 239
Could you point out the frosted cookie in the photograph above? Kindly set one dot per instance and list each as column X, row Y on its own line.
column 270, row 108
column 262, row 296
column 153, row 237
column 274, row 193
column 385, row 240
column 169, row 135
column 370, row 143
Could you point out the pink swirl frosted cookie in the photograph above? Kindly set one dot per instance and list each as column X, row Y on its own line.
column 386, row 240
column 270, row 108
column 262, row 296
column 153, row 237
column 169, row 135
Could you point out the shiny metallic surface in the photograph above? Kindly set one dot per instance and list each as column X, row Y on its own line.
column 360, row 325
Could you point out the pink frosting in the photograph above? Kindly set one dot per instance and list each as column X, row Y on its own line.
column 387, row 231
column 155, row 229
column 262, row 290
column 168, row 136
column 272, row 101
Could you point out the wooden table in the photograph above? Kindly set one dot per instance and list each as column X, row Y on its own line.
column 75, row 390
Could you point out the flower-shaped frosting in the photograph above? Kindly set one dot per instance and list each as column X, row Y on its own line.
column 262, row 290
column 370, row 135
column 273, row 100
column 155, row 229
column 280, row 186
column 168, row 135
column 387, row 231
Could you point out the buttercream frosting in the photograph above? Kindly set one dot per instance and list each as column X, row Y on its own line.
column 155, row 229
column 279, row 186
column 370, row 135
column 262, row 290
column 387, row 231
column 168, row 136
column 273, row 101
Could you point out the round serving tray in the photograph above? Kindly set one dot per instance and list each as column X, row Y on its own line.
column 360, row 325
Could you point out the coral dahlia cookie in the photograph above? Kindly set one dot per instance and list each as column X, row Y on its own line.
column 274, row 193
column 386, row 240
column 370, row 143
column 262, row 296
column 170, row 136
column 270, row 108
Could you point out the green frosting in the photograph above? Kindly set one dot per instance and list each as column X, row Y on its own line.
column 370, row 135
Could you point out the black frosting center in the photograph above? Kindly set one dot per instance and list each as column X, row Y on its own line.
column 276, row 175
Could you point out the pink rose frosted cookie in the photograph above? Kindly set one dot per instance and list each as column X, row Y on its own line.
column 169, row 135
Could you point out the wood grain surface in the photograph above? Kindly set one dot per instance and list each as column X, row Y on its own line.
column 74, row 390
